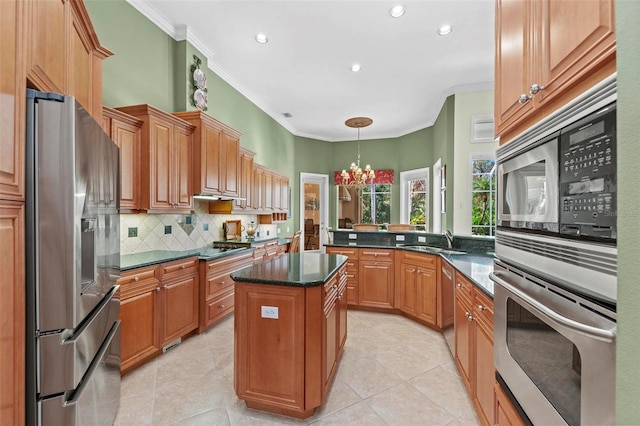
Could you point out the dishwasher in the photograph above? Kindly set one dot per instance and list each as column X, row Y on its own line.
column 448, row 307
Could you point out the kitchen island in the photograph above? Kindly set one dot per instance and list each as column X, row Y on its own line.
column 290, row 329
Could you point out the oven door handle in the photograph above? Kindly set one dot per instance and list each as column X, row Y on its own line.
column 500, row 278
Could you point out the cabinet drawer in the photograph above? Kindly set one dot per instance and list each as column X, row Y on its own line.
column 464, row 288
column 178, row 267
column 428, row 261
column 352, row 253
column 483, row 308
column 228, row 264
column 133, row 289
column 220, row 306
column 378, row 255
column 217, row 285
column 137, row 275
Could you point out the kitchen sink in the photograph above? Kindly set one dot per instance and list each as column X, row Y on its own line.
column 435, row 250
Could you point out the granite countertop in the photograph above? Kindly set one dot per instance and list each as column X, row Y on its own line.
column 292, row 269
column 246, row 241
column 148, row 258
column 475, row 266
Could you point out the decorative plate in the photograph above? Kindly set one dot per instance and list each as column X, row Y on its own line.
column 200, row 78
column 200, row 98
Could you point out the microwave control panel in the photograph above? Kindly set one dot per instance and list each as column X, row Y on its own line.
column 588, row 204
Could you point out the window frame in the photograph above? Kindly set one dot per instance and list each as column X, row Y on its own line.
column 482, row 156
column 405, row 202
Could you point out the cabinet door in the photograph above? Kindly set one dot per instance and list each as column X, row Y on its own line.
column 231, row 166
column 80, row 64
column 268, row 190
column 342, row 317
column 408, row 288
column 513, row 66
column 12, row 313
column 246, row 180
column 427, row 285
column 127, row 137
column 376, row 284
column 160, row 183
column 276, row 193
column 284, row 194
column 257, row 194
column 576, row 38
column 140, row 316
column 182, row 177
column 210, row 160
column 330, row 343
column 462, row 337
column 12, row 95
column 179, row 307
column 505, row 413
column 484, row 371
column 47, row 53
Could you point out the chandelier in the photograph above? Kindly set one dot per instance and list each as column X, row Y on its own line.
column 356, row 176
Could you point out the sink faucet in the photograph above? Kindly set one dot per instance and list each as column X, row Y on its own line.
column 449, row 236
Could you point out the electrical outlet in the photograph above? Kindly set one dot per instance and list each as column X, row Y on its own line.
column 267, row 233
column 167, row 229
column 205, row 226
column 133, row 232
column 287, row 229
column 399, row 237
column 422, row 239
column 353, row 236
column 269, row 312
column 279, row 230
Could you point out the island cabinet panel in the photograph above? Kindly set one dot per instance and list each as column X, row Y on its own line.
column 505, row 412
column 159, row 304
column 376, row 271
column 353, row 267
column 216, row 287
column 474, row 346
column 548, row 53
column 270, row 352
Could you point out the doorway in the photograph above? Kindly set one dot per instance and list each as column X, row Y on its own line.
column 314, row 211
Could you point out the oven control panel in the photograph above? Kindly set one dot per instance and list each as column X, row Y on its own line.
column 588, row 185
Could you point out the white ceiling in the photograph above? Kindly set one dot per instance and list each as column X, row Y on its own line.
column 407, row 69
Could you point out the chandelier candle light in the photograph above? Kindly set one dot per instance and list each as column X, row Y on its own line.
column 357, row 176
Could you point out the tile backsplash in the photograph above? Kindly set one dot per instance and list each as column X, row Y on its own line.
column 186, row 232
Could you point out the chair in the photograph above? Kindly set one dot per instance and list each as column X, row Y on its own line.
column 309, row 234
column 294, row 246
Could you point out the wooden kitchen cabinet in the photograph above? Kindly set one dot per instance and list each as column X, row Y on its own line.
column 245, row 179
column 417, row 286
column 376, row 271
column 216, row 288
column 505, row 412
column 352, row 270
column 12, row 311
column 158, row 304
column 216, row 155
column 474, row 346
column 562, row 47
column 167, row 158
column 126, row 131
column 63, row 52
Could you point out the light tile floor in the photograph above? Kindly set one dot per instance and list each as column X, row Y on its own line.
column 393, row 372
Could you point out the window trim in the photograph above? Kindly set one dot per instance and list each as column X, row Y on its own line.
column 479, row 156
column 405, row 177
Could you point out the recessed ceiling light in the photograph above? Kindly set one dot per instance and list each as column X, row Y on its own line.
column 355, row 67
column 445, row 30
column 261, row 38
column 397, row 11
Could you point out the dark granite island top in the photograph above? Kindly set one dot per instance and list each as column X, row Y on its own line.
column 292, row 269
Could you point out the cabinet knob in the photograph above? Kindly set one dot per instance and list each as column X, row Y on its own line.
column 182, row 267
column 481, row 308
column 469, row 316
column 535, row 88
column 136, row 279
column 459, row 285
column 221, row 283
column 221, row 306
column 524, row 98
column 157, row 288
column 165, row 286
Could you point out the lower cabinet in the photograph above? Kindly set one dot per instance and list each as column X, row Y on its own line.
column 159, row 304
column 352, row 272
column 376, row 273
column 506, row 414
column 417, row 286
column 216, row 289
column 474, row 346
column 334, row 331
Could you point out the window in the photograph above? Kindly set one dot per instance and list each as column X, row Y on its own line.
column 376, row 203
column 414, row 198
column 483, row 195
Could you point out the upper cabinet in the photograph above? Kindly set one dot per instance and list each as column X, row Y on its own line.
column 547, row 53
column 217, row 155
column 166, row 160
column 126, row 132
column 63, row 53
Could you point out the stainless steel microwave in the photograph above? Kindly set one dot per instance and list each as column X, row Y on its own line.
column 564, row 183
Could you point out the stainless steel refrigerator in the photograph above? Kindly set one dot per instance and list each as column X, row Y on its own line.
column 72, row 265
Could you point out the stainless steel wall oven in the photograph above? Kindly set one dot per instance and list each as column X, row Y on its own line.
column 555, row 271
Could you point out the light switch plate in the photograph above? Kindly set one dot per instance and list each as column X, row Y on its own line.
column 422, row 239
column 353, row 236
column 269, row 312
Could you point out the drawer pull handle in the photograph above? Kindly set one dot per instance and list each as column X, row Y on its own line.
column 469, row 316
column 524, row 98
column 459, row 285
column 157, row 288
column 221, row 282
column 221, row 306
column 535, row 88
column 481, row 308
column 165, row 286
column 182, row 267
column 136, row 279
column 446, row 273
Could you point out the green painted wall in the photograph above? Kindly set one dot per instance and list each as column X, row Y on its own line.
column 443, row 144
column 628, row 343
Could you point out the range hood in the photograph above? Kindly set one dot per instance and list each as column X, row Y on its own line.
column 216, row 197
